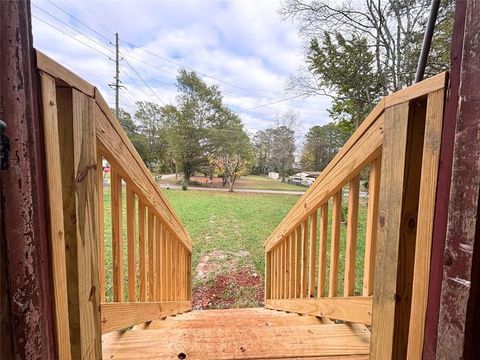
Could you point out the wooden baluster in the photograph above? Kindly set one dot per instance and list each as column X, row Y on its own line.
column 101, row 228
column 182, row 272
column 179, row 271
column 117, row 236
column 131, row 257
column 298, row 259
column 184, row 277
column 172, row 266
column 158, row 259
column 304, row 273
column 268, row 275
column 351, row 246
column 189, row 276
column 162, row 262
column 142, row 249
column 291, row 266
column 286, row 250
column 335, row 244
column 277, row 269
column 274, row 280
column 312, row 254
column 275, row 252
column 282, row 269
column 371, row 230
column 151, row 255
column 322, row 250
column 166, row 266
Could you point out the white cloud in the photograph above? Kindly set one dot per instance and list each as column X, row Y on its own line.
column 242, row 42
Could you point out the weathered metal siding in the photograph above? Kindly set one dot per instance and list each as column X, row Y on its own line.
column 23, row 197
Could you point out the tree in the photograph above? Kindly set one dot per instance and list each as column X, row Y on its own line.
column 321, row 144
column 262, row 150
column 281, row 156
column 388, row 33
column 137, row 139
column 234, row 149
column 200, row 127
column 345, row 66
column 152, row 126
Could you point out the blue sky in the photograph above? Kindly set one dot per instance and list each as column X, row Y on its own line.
column 242, row 45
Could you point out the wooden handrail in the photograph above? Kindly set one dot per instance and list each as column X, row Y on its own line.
column 398, row 144
column 309, row 200
column 151, row 250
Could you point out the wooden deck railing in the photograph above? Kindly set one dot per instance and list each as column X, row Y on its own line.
column 150, row 250
column 310, row 269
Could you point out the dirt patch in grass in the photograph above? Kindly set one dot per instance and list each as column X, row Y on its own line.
column 225, row 279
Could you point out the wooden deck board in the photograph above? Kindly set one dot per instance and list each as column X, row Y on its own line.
column 207, row 323
column 219, row 342
column 239, row 334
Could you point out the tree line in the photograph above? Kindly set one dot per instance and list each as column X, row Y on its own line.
column 199, row 134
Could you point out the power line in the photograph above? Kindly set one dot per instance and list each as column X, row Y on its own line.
column 272, row 103
column 254, row 91
column 81, row 22
column 195, row 70
column 73, row 28
column 73, row 37
column 250, row 91
column 141, row 78
column 139, row 86
column 151, row 65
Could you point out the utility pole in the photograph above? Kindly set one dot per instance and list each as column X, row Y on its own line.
column 116, row 85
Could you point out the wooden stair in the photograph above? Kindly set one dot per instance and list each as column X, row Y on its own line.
column 239, row 334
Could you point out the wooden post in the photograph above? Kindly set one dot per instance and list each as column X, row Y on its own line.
column 79, row 190
column 57, row 231
column 426, row 208
column 399, row 189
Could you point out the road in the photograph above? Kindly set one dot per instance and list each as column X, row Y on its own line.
column 255, row 191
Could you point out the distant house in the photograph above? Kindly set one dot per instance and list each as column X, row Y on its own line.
column 273, row 175
column 303, row 178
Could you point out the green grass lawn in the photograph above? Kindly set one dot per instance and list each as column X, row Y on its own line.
column 229, row 221
column 223, row 221
column 234, row 222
